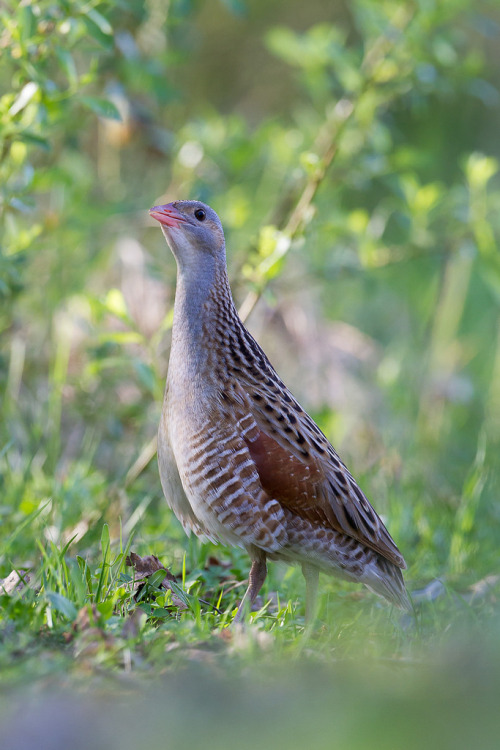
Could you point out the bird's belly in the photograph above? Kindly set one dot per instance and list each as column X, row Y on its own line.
column 184, row 445
column 172, row 486
column 219, row 478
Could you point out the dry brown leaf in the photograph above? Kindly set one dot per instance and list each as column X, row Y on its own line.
column 145, row 567
column 215, row 562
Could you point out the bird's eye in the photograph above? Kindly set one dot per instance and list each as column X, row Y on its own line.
column 200, row 214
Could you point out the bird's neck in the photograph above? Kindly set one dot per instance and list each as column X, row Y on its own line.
column 202, row 299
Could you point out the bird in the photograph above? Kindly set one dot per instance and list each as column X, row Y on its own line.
column 241, row 463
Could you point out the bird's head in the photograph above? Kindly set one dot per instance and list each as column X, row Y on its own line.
column 192, row 230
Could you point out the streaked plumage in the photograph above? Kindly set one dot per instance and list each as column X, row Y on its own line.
column 240, row 461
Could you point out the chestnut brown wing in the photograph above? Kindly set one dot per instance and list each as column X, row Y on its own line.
column 303, row 487
column 298, row 467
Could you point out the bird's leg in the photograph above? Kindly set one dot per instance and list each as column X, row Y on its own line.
column 256, row 578
column 311, row 574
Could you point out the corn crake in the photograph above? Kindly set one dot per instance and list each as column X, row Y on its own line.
column 241, row 463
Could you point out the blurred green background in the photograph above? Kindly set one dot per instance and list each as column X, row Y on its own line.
column 352, row 152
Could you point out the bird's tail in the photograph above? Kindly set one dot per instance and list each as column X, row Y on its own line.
column 385, row 579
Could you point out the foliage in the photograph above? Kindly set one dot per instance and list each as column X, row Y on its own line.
column 352, row 156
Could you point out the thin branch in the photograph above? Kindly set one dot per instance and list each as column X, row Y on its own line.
column 145, row 457
column 326, row 143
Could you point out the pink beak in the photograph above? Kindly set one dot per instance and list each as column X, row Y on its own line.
column 167, row 215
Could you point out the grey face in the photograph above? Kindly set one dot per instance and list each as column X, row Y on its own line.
column 191, row 228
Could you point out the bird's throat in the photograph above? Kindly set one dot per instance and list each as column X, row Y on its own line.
column 201, row 300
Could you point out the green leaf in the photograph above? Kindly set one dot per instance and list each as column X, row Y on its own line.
column 101, row 107
column 161, row 613
column 105, row 608
column 145, row 374
column 86, row 573
column 178, row 591
column 121, row 337
column 284, row 43
column 36, row 140
column 27, row 22
column 93, row 24
column 480, row 169
column 62, row 605
column 102, row 23
column 106, row 554
column 115, row 303
column 155, row 580
column 67, row 64
column 237, row 7
column 105, row 543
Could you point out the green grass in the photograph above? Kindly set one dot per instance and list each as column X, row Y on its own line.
column 77, row 586
column 364, row 675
